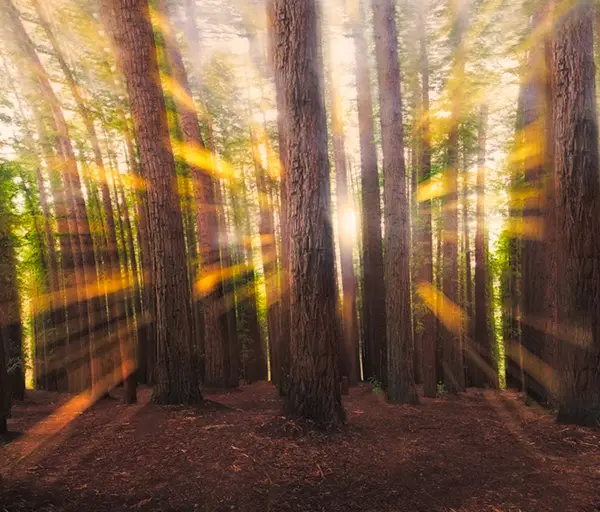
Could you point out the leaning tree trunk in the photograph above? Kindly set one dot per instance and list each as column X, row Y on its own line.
column 373, row 300
column 313, row 392
column 400, row 373
column 176, row 378
column 575, row 125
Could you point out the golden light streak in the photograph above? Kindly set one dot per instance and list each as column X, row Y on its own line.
column 528, row 228
column 202, row 158
column 436, row 186
column 450, row 314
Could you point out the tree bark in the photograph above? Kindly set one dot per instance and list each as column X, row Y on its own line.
column 374, row 311
column 454, row 378
column 400, row 373
column 575, row 125
column 176, row 378
column 424, row 232
column 313, row 391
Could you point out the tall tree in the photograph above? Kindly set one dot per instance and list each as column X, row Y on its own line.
column 313, row 390
column 176, row 378
column 400, row 378
column 454, row 377
column 349, row 355
column 538, row 285
column 485, row 371
column 374, row 311
column 424, row 273
column 575, row 122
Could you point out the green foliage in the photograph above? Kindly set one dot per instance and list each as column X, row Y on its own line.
column 376, row 385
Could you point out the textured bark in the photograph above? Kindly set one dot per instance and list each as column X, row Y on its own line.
column 400, row 373
column 575, row 124
column 349, row 355
column 472, row 365
column 176, row 378
column 538, row 288
column 112, row 269
column 482, row 341
column 454, row 378
column 424, row 236
column 373, row 300
column 313, row 387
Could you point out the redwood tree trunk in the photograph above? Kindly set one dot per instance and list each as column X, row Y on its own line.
column 424, row 239
column 349, row 360
column 400, row 374
column 313, row 392
column 454, row 377
column 374, row 311
column 176, row 377
column 575, row 124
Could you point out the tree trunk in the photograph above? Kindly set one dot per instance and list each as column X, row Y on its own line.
column 176, row 378
column 472, row 365
column 424, row 254
column 400, row 373
column 454, row 378
column 313, row 391
column 10, row 310
column 349, row 356
column 575, row 124
column 485, row 374
column 374, row 311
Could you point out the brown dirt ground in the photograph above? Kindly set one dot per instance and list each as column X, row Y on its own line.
column 480, row 451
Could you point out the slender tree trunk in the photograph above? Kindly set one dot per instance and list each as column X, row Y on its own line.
column 177, row 381
column 400, row 373
column 486, row 374
column 349, row 360
column 454, row 377
column 472, row 364
column 537, row 306
column 424, row 273
column 314, row 375
column 10, row 311
column 575, row 124
column 374, row 311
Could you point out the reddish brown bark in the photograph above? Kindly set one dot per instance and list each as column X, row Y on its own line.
column 313, row 383
column 176, row 378
column 400, row 373
column 373, row 300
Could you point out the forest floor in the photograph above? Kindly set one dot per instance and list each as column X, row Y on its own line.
column 480, row 451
